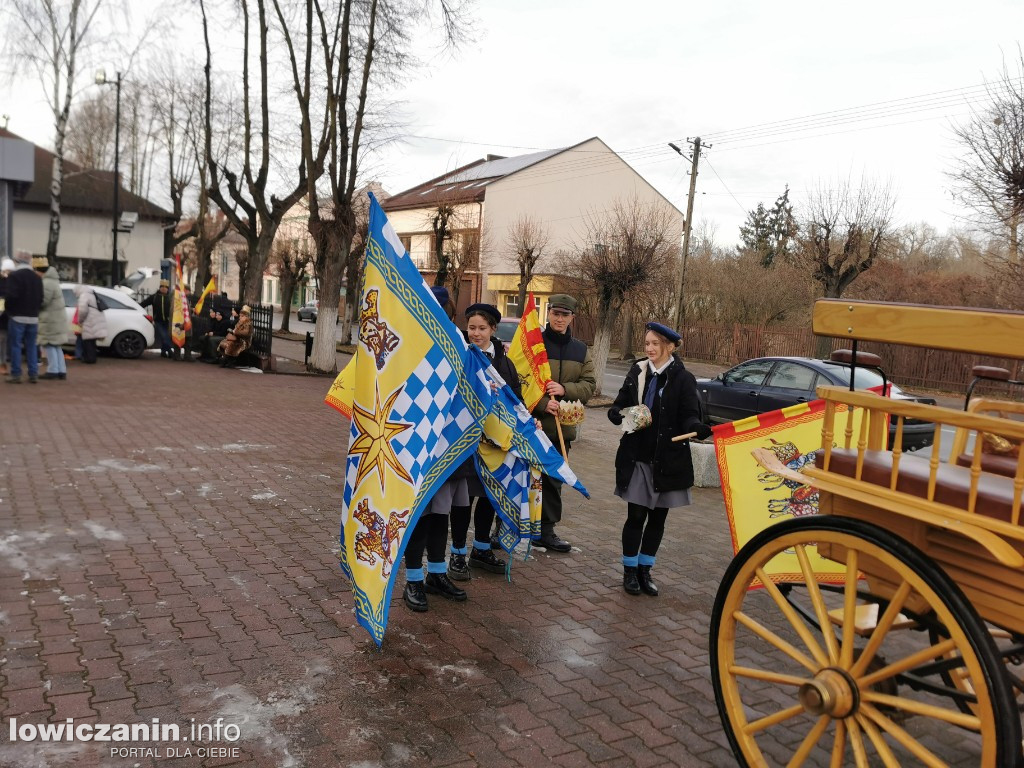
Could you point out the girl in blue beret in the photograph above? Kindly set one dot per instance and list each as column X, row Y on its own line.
column 653, row 473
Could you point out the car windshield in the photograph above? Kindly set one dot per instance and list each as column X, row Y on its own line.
column 506, row 330
column 866, row 377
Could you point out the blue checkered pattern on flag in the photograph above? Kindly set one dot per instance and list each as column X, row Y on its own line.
column 507, row 479
column 419, row 399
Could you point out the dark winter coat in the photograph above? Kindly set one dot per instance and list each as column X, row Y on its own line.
column 571, row 367
column 676, row 411
column 163, row 307
column 24, row 293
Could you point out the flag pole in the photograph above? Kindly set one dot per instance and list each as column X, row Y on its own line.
column 561, row 440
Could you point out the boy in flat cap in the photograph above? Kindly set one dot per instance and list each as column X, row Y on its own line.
column 572, row 378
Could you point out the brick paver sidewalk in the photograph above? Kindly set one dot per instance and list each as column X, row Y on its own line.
column 167, row 550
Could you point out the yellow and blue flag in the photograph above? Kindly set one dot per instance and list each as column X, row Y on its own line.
column 419, row 400
column 512, row 455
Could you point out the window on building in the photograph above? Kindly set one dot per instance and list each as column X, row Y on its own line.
column 512, row 305
column 223, row 263
column 406, row 242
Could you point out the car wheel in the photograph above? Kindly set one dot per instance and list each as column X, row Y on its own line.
column 129, row 344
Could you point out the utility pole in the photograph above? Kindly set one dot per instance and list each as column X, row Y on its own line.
column 695, row 157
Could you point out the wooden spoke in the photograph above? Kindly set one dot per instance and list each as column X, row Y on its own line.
column 911, row 744
column 770, row 637
column 767, row 676
column 779, row 717
column 813, row 737
column 820, row 609
column 794, row 618
column 961, row 719
column 849, row 611
column 860, row 756
column 838, row 745
column 881, row 629
column 911, row 661
column 879, row 741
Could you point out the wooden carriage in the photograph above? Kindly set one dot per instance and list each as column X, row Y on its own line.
column 912, row 657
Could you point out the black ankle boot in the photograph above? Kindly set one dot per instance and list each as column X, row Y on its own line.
column 629, row 582
column 414, row 596
column 643, row 576
column 440, row 584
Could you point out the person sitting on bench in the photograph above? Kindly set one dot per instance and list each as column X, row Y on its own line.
column 238, row 339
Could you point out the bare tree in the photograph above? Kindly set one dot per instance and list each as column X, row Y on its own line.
column 359, row 48
column 244, row 193
column 630, row 248
column 527, row 238
column 844, row 231
column 289, row 260
column 89, row 139
column 990, row 172
column 49, row 37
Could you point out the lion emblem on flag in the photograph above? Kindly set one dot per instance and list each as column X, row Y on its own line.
column 803, row 499
column 374, row 332
column 379, row 538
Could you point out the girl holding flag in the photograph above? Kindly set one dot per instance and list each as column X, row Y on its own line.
column 653, row 471
column 481, row 322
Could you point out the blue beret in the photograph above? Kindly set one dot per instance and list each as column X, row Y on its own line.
column 440, row 293
column 665, row 331
column 489, row 310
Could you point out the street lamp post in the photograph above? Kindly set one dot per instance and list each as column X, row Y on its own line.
column 101, row 79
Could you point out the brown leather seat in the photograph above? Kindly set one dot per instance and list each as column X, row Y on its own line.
column 952, row 483
column 991, row 462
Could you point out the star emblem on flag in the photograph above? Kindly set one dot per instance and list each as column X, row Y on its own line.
column 372, row 442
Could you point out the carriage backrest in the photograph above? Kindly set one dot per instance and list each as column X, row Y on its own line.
column 999, row 333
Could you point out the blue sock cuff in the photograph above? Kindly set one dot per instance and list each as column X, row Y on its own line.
column 441, row 567
column 481, row 545
column 629, row 561
column 645, row 560
column 414, row 574
column 459, row 550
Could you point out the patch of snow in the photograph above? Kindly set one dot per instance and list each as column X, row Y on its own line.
column 264, row 496
column 102, row 532
column 120, row 465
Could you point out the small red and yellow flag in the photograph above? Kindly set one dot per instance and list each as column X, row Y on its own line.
column 529, row 355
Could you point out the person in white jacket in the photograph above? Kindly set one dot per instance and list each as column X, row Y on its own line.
column 91, row 320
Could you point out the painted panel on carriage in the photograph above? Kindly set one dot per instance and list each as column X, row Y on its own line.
column 756, row 498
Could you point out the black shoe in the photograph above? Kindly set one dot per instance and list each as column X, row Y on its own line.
column 62, row 376
column 549, row 540
column 485, row 559
column 440, row 584
column 643, row 576
column 33, row 379
column 495, row 542
column 49, row 375
column 414, row 596
column 458, row 569
column 629, row 580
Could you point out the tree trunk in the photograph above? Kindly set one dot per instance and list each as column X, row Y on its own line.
column 252, row 290
column 627, row 337
column 287, row 292
column 324, row 358
column 603, row 342
column 524, row 285
column 56, row 186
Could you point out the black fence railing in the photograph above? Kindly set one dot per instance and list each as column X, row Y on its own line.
column 262, row 318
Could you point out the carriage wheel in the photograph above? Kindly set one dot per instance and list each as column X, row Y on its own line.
column 798, row 675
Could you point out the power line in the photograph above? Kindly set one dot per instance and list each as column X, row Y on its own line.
column 719, row 177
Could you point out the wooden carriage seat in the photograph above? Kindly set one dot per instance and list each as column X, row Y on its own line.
column 999, row 463
column 952, row 483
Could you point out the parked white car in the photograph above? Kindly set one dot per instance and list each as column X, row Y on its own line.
column 130, row 329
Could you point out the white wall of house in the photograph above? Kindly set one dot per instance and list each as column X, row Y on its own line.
column 562, row 192
column 415, row 223
column 87, row 236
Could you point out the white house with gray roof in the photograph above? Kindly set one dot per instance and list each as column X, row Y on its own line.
column 560, row 188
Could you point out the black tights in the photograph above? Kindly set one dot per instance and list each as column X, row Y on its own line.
column 430, row 533
column 636, row 537
column 483, row 519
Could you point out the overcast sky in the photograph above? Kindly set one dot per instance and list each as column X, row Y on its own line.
column 545, row 73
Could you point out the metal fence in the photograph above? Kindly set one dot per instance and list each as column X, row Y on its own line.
column 262, row 317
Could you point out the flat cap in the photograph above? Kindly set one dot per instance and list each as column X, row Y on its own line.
column 562, row 301
column 488, row 310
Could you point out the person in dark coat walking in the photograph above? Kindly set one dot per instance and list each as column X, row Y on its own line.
column 23, row 297
column 481, row 322
column 163, row 314
column 653, row 473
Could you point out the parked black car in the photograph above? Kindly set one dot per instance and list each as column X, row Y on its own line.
column 768, row 383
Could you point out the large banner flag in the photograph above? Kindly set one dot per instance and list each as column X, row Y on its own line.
column 756, row 498
column 418, row 406
column 512, row 455
column 340, row 395
column 181, row 321
column 529, row 355
column 210, row 288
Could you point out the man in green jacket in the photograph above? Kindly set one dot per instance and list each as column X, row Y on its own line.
column 572, row 378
